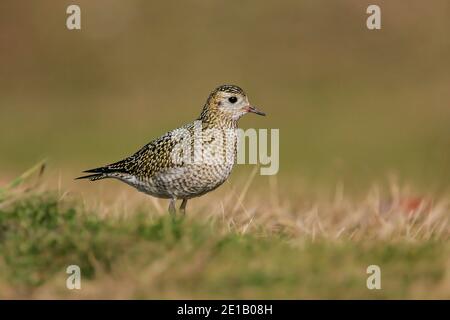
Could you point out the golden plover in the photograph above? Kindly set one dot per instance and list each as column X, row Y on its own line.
column 189, row 161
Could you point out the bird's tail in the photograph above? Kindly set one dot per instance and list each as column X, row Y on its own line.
column 98, row 173
column 114, row 170
column 93, row 177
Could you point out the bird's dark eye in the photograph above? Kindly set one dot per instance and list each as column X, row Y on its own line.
column 232, row 99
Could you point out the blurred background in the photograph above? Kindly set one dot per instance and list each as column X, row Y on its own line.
column 352, row 105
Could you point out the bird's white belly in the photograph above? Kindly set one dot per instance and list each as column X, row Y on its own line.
column 193, row 180
column 183, row 182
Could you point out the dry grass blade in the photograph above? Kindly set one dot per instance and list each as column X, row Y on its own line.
column 239, row 202
column 39, row 168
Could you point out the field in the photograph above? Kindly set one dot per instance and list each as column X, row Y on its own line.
column 228, row 247
column 364, row 122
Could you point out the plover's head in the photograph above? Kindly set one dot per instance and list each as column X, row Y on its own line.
column 230, row 102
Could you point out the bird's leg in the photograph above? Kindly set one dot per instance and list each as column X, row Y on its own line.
column 183, row 206
column 172, row 209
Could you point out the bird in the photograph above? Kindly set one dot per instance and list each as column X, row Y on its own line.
column 189, row 161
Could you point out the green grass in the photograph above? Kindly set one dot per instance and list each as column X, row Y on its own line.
column 153, row 256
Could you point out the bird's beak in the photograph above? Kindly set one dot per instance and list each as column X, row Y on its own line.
column 253, row 109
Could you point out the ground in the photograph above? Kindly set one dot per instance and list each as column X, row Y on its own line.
column 234, row 247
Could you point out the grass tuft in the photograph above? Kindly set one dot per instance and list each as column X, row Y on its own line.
column 146, row 255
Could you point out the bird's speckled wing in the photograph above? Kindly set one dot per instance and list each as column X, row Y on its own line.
column 155, row 157
column 150, row 159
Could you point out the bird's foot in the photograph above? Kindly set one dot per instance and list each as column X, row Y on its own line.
column 172, row 209
column 183, row 207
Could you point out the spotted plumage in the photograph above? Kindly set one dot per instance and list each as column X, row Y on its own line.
column 189, row 161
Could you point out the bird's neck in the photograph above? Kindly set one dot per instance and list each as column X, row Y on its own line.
column 215, row 119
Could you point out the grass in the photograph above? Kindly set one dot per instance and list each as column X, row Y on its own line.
column 283, row 251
